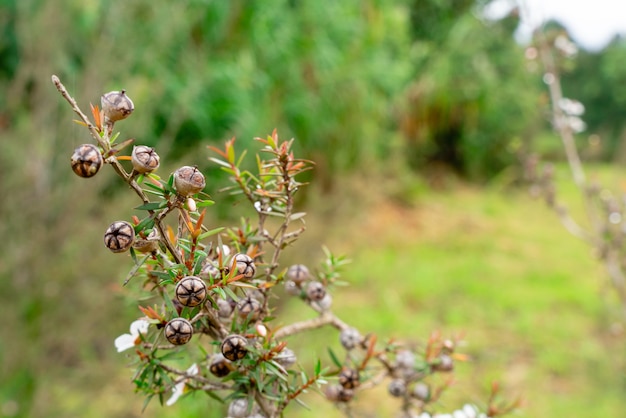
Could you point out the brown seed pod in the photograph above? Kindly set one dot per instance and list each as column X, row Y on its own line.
column 210, row 271
column 337, row 393
column 315, row 291
column 188, row 180
column 234, row 347
column 443, row 363
column 178, row 331
column 191, row 291
column 397, row 388
column 249, row 308
column 245, row 265
column 286, row 358
column 224, row 308
column 116, row 105
column 86, row 160
column 350, row 338
column 119, row 236
column 298, row 273
column 144, row 159
column 149, row 244
column 421, row 391
column 219, row 365
column 349, row 378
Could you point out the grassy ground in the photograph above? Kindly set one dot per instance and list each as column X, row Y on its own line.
column 492, row 264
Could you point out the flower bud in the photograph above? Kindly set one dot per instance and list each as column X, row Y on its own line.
column 116, row 105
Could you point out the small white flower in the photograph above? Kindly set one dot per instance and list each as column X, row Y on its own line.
column 126, row 341
column 571, row 107
column 470, row 410
column 179, row 388
column 567, row 47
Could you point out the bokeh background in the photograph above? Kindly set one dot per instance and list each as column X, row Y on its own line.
column 416, row 113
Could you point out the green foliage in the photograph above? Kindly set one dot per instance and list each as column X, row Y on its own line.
column 592, row 81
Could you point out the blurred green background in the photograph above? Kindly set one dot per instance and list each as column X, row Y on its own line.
column 415, row 112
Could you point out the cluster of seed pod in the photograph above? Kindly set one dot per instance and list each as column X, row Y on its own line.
column 300, row 282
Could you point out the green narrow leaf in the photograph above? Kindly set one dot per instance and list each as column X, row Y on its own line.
column 145, row 223
column 209, row 233
column 133, row 255
column 152, row 206
column 318, row 367
column 334, row 358
column 205, row 203
column 297, row 215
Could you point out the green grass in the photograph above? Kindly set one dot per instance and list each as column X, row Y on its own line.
column 494, row 265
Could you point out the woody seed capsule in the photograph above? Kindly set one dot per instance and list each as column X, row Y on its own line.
column 249, row 308
column 234, row 347
column 315, row 291
column 116, row 105
column 178, row 331
column 298, row 273
column 188, row 180
column 245, row 265
column 191, row 291
column 119, row 236
column 144, row 159
column 219, row 365
column 86, row 160
column 349, row 378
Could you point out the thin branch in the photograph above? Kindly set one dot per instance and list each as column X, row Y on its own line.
column 326, row 318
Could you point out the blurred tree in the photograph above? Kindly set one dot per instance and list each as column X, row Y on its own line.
column 593, row 82
column 472, row 98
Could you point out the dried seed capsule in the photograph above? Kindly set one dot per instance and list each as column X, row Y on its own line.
column 224, row 308
column 209, row 271
column 245, row 265
column 144, row 159
column 234, row 347
column 240, row 408
column 86, row 160
column 397, row 388
column 443, row 363
column 188, row 180
column 421, row 391
column 405, row 359
column 119, row 236
column 350, row 338
column 178, row 331
column 349, row 378
column 149, row 244
column 337, row 393
column 219, row 365
column 298, row 273
column 292, row 288
column 325, row 303
column 286, row 358
column 315, row 291
column 249, row 308
column 116, row 105
column 191, row 291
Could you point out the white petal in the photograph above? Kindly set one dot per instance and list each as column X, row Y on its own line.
column 193, row 370
column 139, row 326
column 124, row 342
column 177, row 392
column 470, row 410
